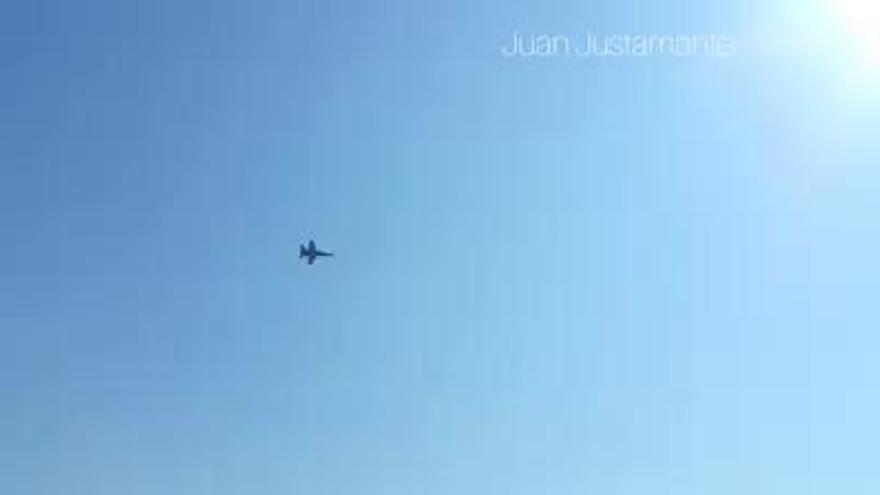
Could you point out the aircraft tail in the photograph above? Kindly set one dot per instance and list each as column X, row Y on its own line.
column 302, row 251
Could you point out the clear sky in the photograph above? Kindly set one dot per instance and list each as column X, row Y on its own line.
column 556, row 276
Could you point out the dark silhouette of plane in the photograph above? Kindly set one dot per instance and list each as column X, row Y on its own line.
column 311, row 252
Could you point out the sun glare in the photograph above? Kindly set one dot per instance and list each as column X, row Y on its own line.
column 861, row 21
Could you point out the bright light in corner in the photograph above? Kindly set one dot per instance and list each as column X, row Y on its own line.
column 861, row 20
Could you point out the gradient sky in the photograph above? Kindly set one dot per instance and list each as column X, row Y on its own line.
column 553, row 276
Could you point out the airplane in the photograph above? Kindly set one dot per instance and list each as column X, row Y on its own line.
column 311, row 252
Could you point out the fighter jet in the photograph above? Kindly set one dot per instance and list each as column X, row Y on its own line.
column 311, row 252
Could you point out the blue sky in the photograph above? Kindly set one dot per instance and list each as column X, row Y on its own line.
column 553, row 276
